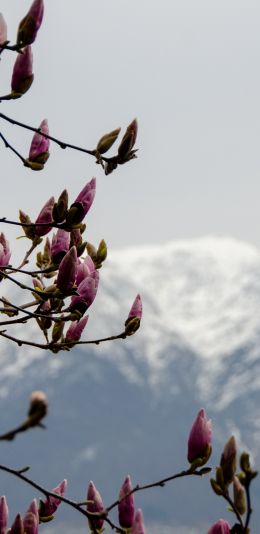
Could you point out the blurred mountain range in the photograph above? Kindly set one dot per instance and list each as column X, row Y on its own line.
column 127, row 406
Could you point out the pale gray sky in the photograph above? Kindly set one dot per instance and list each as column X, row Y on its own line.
column 189, row 70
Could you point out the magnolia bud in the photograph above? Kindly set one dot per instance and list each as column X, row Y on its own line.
column 228, row 460
column 3, row 30
column 38, row 407
column 28, row 230
column 22, row 76
column 60, row 208
column 57, row 331
column 39, row 149
column 239, row 496
column 67, row 271
column 199, row 442
column 138, row 526
column 221, row 527
column 126, row 507
column 133, row 320
column 82, row 204
column 30, row 24
column 95, row 505
column 3, row 514
column 107, row 141
column 44, row 217
column 48, row 507
column 125, row 149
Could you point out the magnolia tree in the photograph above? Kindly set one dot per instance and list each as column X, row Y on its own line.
column 56, row 293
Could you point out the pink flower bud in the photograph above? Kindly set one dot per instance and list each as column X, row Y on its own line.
column 3, row 514
column 136, row 310
column 84, row 269
column 199, row 442
column 221, row 527
column 126, row 506
column 75, row 329
column 133, row 320
column 22, row 77
column 17, row 526
column 49, row 506
column 45, row 216
column 138, row 526
column 3, row 30
column 34, row 506
column 30, row 523
column 67, row 271
column 30, row 24
column 96, row 506
column 82, row 204
column 39, row 149
column 60, row 245
column 5, row 252
column 87, row 291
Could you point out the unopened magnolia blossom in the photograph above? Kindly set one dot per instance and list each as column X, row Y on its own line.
column 49, row 506
column 75, row 329
column 39, row 149
column 126, row 506
column 138, row 526
column 5, row 252
column 3, row 514
column 3, row 30
column 22, row 76
column 67, row 270
column 44, row 217
column 221, row 527
column 82, row 204
column 95, row 504
column 86, row 293
column 60, row 245
column 30, row 24
column 199, row 442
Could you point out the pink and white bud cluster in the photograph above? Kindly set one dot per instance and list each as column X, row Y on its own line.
column 29, row 523
column 130, row 519
column 72, row 217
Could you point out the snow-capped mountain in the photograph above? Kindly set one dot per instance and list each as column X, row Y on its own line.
column 127, row 406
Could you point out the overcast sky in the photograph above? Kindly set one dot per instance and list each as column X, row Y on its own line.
column 188, row 70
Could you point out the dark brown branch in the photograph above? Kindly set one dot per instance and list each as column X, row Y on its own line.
column 62, row 144
column 162, row 482
column 234, row 508
column 55, row 347
column 7, row 145
column 9, row 436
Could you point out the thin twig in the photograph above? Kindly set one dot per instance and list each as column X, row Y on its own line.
column 7, row 145
column 60, row 346
column 160, row 483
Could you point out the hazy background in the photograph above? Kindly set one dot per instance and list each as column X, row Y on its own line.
column 188, row 71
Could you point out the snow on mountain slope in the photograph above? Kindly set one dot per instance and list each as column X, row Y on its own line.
column 200, row 295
